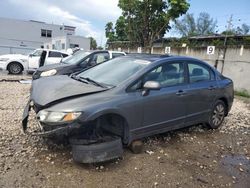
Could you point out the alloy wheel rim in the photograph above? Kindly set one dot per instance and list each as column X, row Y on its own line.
column 15, row 68
column 218, row 114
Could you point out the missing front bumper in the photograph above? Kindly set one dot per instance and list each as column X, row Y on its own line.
column 44, row 130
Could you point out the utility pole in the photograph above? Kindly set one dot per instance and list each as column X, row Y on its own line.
column 229, row 26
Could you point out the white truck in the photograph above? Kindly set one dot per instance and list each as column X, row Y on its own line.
column 17, row 63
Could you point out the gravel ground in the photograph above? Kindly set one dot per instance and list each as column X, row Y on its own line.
column 192, row 157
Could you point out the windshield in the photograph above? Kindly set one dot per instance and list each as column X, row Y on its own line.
column 114, row 71
column 76, row 58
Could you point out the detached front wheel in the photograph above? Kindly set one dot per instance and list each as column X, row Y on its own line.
column 217, row 115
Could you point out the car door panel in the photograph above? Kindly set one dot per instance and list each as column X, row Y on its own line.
column 201, row 97
column 164, row 109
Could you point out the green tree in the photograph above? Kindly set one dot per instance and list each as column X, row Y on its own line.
column 121, row 29
column 243, row 30
column 93, row 43
column 188, row 26
column 144, row 21
column 100, row 48
column 110, row 32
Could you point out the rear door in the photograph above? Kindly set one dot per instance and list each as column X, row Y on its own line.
column 201, row 91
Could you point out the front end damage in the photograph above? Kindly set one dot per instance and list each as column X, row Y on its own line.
column 40, row 129
column 90, row 141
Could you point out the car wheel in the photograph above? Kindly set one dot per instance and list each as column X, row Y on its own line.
column 217, row 115
column 15, row 68
column 95, row 151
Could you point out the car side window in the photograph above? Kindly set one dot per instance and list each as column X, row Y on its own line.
column 65, row 55
column 55, row 54
column 168, row 74
column 37, row 53
column 100, row 57
column 198, row 73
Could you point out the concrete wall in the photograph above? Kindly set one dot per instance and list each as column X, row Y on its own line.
column 236, row 67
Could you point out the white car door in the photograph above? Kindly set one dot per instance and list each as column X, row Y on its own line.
column 53, row 57
column 33, row 59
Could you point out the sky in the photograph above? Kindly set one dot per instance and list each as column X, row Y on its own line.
column 90, row 16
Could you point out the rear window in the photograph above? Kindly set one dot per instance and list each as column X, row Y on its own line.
column 55, row 54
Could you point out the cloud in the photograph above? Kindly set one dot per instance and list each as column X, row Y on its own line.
column 88, row 16
column 84, row 26
column 101, row 9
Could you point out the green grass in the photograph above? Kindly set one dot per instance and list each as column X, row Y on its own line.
column 242, row 93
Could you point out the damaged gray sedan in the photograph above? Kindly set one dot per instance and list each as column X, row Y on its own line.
column 128, row 98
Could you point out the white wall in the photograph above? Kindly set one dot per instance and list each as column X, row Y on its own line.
column 83, row 42
column 17, row 34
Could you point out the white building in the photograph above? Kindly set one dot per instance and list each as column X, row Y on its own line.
column 19, row 36
column 68, row 41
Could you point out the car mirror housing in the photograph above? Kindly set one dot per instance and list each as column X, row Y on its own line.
column 152, row 85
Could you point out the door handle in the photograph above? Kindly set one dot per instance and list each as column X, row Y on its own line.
column 180, row 92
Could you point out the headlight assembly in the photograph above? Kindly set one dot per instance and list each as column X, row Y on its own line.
column 54, row 117
column 49, row 73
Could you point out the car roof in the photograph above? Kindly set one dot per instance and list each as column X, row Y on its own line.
column 148, row 57
column 156, row 57
column 117, row 52
column 51, row 50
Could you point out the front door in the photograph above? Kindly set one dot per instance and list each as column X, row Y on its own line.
column 34, row 59
column 164, row 109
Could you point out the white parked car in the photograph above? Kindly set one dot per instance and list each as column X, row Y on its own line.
column 17, row 63
column 14, row 63
column 41, row 57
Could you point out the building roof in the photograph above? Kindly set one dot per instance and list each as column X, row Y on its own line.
column 218, row 36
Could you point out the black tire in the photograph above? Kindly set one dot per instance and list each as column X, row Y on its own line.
column 15, row 68
column 87, row 152
column 217, row 114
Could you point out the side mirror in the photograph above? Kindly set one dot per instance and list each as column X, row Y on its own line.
column 152, row 85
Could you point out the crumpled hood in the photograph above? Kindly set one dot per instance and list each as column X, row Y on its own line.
column 51, row 89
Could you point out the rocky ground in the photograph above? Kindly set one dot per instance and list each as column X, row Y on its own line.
column 192, row 157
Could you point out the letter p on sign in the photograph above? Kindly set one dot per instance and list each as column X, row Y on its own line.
column 210, row 50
